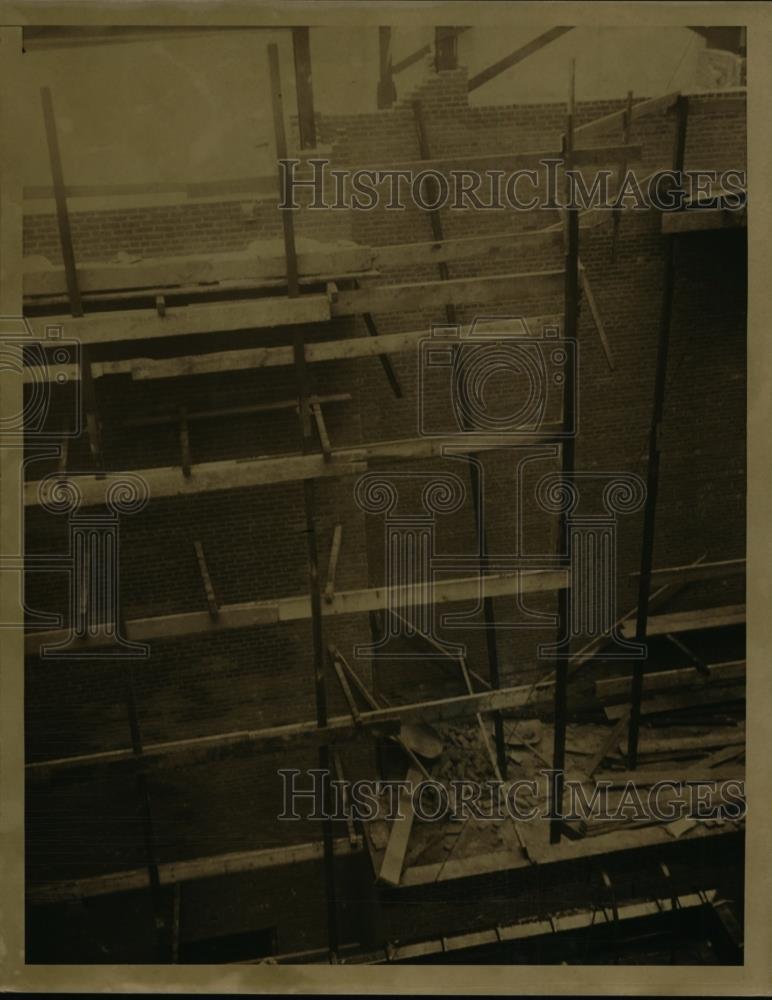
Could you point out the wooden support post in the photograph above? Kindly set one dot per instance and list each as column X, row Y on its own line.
column 474, row 476
column 321, row 430
column 88, row 392
column 206, row 580
column 332, row 566
column 445, row 49
column 353, row 839
column 185, row 459
column 301, row 47
column 387, row 92
column 288, row 226
column 570, row 330
column 309, row 497
column 652, row 478
column 616, row 214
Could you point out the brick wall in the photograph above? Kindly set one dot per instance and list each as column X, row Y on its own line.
column 254, row 538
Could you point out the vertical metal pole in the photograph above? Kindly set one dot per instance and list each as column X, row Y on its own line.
column 318, row 643
column 474, row 481
column 301, row 47
column 570, row 327
column 655, row 430
column 277, row 105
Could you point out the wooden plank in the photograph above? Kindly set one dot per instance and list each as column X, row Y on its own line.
column 521, row 53
column 301, row 49
column 337, row 538
column 160, row 419
column 261, row 357
column 689, row 621
column 185, row 459
column 394, row 857
column 254, row 613
column 377, row 722
column 235, row 474
column 703, row 219
column 260, row 265
column 486, row 247
column 617, row 118
column 511, row 161
column 177, row 872
column 663, row 680
column 332, row 350
column 436, row 294
column 146, row 324
column 700, row 571
column 655, row 744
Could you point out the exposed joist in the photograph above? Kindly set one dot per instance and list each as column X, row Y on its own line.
column 159, row 419
column 286, row 609
column 665, row 680
column 233, row 474
column 332, row 566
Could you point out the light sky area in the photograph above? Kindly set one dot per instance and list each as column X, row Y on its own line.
column 197, row 108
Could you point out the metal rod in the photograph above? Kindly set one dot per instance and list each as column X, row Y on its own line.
column 570, row 325
column 652, row 477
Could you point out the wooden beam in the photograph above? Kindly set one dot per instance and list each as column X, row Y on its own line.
column 279, row 739
column 231, row 474
column 399, row 834
column 435, row 294
column 257, row 266
column 262, row 357
column 146, row 324
column 690, row 701
column 596, row 317
column 332, row 566
column 160, row 419
column 488, row 247
column 177, row 872
column 617, row 118
column 690, row 621
column 515, row 57
column 185, row 459
column 255, row 613
column 665, row 680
